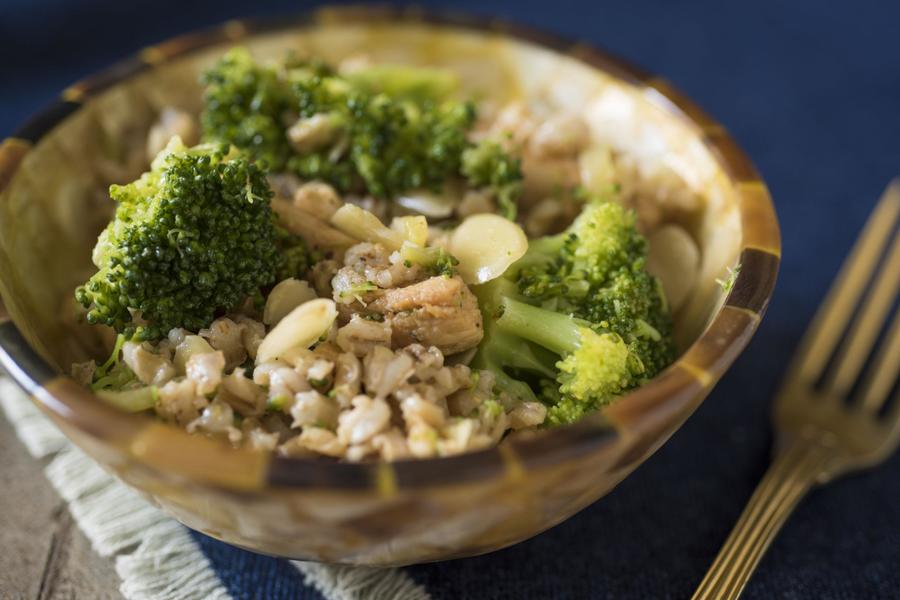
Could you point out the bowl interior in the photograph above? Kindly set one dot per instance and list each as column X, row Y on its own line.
column 56, row 202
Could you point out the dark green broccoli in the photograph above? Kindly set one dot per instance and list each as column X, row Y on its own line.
column 391, row 144
column 113, row 374
column 245, row 104
column 577, row 320
column 435, row 260
column 295, row 257
column 488, row 165
column 595, row 270
column 193, row 236
column 116, row 383
column 384, row 130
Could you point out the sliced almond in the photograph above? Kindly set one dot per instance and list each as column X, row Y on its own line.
column 362, row 225
column 674, row 258
column 597, row 171
column 299, row 329
column 285, row 297
column 486, row 245
column 190, row 346
column 437, row 206
column 316, row 232
column 318, row 199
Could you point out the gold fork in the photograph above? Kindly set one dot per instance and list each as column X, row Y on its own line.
column 829, row 420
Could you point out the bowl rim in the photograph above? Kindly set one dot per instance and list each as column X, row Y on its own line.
column 644, row 416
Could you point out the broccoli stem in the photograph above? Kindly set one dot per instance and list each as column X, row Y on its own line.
column 135, row 400
column 490, row 296
column 513, row 387
column 507, row 350
column 113, row 374
column 540, row 252
column 113, row 359
column 556, row 332
column 515, row 353
column 548, row 246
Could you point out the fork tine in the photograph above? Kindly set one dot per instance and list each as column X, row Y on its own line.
column 883, row 372
column 828, row 325
column 892, row 426
column 875, row 310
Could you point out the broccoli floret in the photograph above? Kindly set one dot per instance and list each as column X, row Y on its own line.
column 296, row 257
column 244, row 105
column 384, row 130
column 587, row 368
column 393, row 144
column 595, row 270
column 488, row 165
column 491, row 408
column 502, row 351
column 577, row 321
column 592, row 367
column 435, row 259
column 193, row 236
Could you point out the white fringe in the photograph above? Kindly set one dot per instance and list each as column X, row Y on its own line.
column 112, row 514
column 156, row 558
column 168, row 566
column 40, row 436
column 360, row 583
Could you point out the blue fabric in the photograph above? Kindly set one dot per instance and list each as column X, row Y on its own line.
column 811, row 90
column 252, row 576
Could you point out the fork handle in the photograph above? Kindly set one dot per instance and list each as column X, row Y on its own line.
column 794, row 471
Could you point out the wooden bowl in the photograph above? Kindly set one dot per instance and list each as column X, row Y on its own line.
column 53, row 174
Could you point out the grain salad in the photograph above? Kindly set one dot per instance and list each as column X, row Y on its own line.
column 357, row 262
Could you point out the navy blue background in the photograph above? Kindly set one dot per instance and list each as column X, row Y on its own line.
column 812, row 91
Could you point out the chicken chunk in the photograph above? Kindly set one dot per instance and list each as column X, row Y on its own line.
column 438, row 311
column 451, row 329
column 441, row 291
column 150, row 368
column 408, row 304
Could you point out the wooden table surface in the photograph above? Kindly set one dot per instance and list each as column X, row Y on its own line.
column 43, row 554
